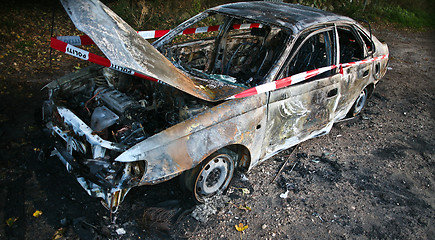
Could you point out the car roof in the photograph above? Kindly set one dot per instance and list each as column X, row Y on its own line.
column 292, row 16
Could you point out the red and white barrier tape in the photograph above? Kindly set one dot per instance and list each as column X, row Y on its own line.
column 85, row 40
column 281, row 83
column 76, row 40
column 85, row 55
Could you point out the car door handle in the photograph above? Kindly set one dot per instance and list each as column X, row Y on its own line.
column 332, row 92
column 366, row 73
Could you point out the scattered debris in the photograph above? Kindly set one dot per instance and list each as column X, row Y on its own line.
column 202, row 212
column 210, row 207
column 10, row 222
column 245, row 191
column 243, row 178
column 283, row 165
column 318, row 215
column 293, row 167
column 58, row 234
column 157, row 220
column 284, row 195
column 315, row 160
column 120, row 231
column 241, row 206
column 90, row 225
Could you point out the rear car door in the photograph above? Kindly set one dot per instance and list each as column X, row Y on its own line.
column 306, row 109
column 354, row 46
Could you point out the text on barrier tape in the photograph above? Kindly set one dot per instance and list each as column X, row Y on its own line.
column 85, row 55
column 85, row 40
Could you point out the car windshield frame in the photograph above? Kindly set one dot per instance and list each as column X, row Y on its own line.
column 160, row 43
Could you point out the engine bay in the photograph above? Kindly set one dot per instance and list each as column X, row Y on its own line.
column 122, row 108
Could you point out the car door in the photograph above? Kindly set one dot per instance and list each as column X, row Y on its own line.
column 306, row 109
column 354, row 46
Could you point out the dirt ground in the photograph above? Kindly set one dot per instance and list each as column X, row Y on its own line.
column 372, row 177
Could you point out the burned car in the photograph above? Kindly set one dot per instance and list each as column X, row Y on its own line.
column 223, row 91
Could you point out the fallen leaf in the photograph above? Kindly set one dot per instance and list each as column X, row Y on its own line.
column 241, row 207
column 241, row 227
column 37, row 213
column 245, row 191
column 58, row 234
column 11, row 221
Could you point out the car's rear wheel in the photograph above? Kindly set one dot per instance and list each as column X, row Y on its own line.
column 359, row 103
column 210, row 177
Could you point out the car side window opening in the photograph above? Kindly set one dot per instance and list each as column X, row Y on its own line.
column 351, row 48
column 315, row 52
column 367, row 42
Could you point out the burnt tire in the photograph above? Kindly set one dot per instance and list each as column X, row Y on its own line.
column 359, row 103
column 211, row 177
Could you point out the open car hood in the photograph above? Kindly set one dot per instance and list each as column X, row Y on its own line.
column 125, row 47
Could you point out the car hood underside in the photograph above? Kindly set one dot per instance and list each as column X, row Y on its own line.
column 125, row 47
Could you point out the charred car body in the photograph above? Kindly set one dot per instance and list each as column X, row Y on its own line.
column 116, row 131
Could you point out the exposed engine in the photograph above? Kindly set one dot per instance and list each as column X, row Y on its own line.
column 99, row 113
column 123, row 108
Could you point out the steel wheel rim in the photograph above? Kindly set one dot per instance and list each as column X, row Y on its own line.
column 214, row 176
column 360, row 102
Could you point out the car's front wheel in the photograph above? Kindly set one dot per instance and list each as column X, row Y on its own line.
column 210, row 177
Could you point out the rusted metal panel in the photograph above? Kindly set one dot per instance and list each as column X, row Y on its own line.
column 183, row 146
column 124, row 47
column 300, row 112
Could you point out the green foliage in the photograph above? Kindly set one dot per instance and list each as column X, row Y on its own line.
column 415, row 14
column 154, row 14
column 406, row 17
column 196, row 7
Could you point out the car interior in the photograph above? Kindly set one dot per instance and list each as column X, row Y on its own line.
column 350, row 48
column 234, row 55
